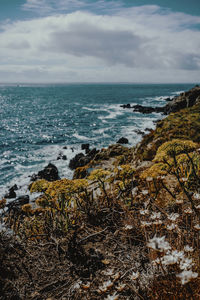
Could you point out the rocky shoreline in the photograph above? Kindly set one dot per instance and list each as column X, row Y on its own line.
column 184, row 100
column 125, row 227
column 82, row 162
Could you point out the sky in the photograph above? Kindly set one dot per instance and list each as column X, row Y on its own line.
column 64, row 41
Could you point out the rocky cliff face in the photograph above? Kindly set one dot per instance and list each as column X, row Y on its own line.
column 186, row 99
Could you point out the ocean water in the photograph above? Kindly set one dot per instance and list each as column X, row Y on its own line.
column 37, row 121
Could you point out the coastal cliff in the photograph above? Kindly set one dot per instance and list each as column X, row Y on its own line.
column 125, row 227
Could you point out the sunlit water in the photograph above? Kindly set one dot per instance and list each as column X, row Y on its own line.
column 37, row 121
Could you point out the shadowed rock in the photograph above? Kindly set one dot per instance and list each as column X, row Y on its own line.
column 122, row 140
column 49, row 173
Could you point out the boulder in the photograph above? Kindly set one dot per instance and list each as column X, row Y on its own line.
column 80, row 160
column 11, row 192
column 18, row 203
column 61, row 156
column 49, row 173
column 85, row 147
column 122, row 140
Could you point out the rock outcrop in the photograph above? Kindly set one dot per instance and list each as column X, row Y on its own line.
column 122, row 140
column 81, row 160
column 184, row 100
column 49, row 173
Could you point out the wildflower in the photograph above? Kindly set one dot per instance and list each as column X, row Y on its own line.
column 77, row 285
column 109, row 272
column 146, row 203
column 2, row 203
column 86, row 286
column 178, row 254
column 172, row 217
column 155, row 215
column 179, row 201
column 186, row 276
column 157, row 222
column 149, row 178
column 134, row 191
column 184, row 179
column 187, row 248
column 145, row 224
column 171, row 227
column 144, row 212
column 157, row 261
column 134, row 275
column 113, row 296
column 186, row 263
column 188, row 211
column 128, row 227
column 159, row 244
column 121, row 287
column 169, row 259
column 106, row 285
column 196, row 196
column 197, row 227
column 145, row 192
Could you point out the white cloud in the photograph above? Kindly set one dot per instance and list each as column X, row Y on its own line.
column 136, row 44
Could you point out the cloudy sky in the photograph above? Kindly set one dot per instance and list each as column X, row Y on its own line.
column 99, row 41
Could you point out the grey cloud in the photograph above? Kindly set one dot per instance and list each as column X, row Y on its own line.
column 114, row 47
column 18, row 45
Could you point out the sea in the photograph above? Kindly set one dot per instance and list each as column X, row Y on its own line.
column 40, row 122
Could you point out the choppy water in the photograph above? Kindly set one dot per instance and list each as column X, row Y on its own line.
column 36, row 121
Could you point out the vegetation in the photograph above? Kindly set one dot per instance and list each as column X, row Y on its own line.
column 125, row 231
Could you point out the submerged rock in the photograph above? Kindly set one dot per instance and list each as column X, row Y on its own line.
column 148, row 109
column 61, row 156
column 126, row 105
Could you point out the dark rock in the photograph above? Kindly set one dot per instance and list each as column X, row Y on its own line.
column 167, row 99
column 18, row 202
column 75, row 162
column 11, row 192
column 65, row 147
column 122, row 140
column 85, row 147
column 148, row 129
column 49, row 173
column 148, row 109
column 61, row 156
column 126, row 105
column 138, row 131
column 186, row 99
column 80, row 160
column 93, row 152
